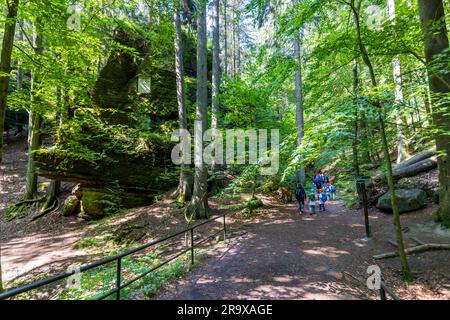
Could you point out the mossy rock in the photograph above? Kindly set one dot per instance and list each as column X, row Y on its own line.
column 98, row 203
column 71, row 206
column 408, row 200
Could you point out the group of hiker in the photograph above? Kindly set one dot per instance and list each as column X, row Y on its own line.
column 322, row 191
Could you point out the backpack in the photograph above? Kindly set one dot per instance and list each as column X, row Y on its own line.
column 323, row 196
column 299, row 193
column 332, row 188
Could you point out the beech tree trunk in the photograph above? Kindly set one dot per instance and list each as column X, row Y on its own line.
column 432, row 16
column 5, row 63
column 215, row 66
column 199, row 202
column 184, row 187
column 34, row 121
column 299, row 102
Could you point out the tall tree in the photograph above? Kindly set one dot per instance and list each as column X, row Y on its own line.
column 34, row 117
column 299, row 99
column 225, row 44
column 199, row 201
column 5, row 63
column 381, row 115
column 215, row 66
column 401, row 143
column 432, row 16
column 184, row 187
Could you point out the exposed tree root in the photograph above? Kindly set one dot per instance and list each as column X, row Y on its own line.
column 31, row 201
column 47, row 210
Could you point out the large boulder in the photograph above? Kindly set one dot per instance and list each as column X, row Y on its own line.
column 408, row 200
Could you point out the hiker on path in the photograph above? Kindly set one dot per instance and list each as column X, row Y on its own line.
column 333, row 192
column 312, row 202
column 322, row 200
column 300, row 195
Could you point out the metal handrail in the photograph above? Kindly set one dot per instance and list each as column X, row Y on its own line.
column 118, row 258
column 385, row 289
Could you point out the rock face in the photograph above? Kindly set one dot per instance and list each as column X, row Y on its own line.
column 408, row 200
column 119, row 152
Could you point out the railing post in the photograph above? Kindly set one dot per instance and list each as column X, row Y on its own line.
column 192, row 246
column 224, row 229
column 118, row 277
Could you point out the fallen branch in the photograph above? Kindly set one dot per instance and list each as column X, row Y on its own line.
column 419, row 248
column 418, row 241
column 393, row 243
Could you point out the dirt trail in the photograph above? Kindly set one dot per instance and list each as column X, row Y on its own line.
column 286, row 255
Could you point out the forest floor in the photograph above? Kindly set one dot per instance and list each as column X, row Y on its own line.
column 284, row 255
column 277, row 254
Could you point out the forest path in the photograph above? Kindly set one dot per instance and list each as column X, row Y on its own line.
column 283, row 256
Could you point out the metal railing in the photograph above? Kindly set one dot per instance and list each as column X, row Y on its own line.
column 118, row 259
column 385, row 289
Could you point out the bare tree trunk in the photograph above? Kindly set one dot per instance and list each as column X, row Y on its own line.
column 434, row 29
column 34, row 121
column 299, row 101
column 215, row 66
column 225, row 47
column 199, row 202
column 5, row 63
column 381, row 115
column 184, row 187
column 401, row 145
column 356, row 126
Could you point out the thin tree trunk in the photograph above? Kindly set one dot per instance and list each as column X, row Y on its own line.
column 184, row 187
column 381, row 115
column 34, row 121
column 225, row 47
column 199, row 202
column 299, row 101
column 401, row 145
column 356, row 127
column 215, row 66
column 432, row 16
column 5, row 63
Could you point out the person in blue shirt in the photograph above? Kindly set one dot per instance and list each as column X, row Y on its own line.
column 322, row 200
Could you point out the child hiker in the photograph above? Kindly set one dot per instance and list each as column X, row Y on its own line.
column 333, row 192
column 312, row 202
column 300, row 195
column 322, row 200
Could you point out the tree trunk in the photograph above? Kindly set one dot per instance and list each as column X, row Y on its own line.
column 299, row 101
column 355, row 125
column 215, row 66
column 381, row 115
column 436, row 43
column 199, row 202
column 401, row 145
column 34, row 121
column 225, row 45
column 184, row 187
column 5, row 63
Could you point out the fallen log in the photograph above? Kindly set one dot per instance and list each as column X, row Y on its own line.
column 419, row 248
column 416, row 168
column 417, row 158
column 410, row 171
